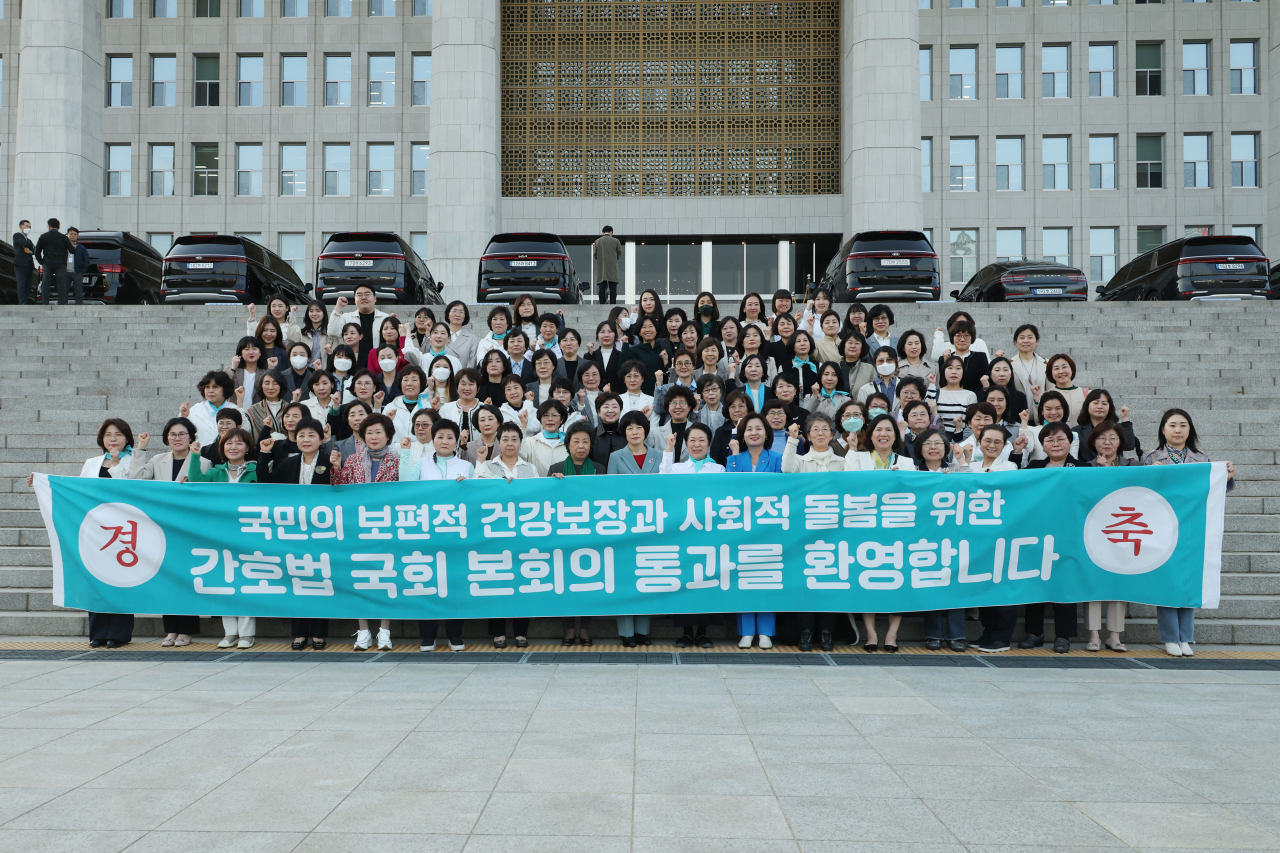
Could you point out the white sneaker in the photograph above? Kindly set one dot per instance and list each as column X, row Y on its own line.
column 1173, row 649
column 245, row 643
column 745, row 642
column 363, row 640
column 457, row 647
column 228, row 642
column 765, row 642
column 427, row 647
column 384, row 639
column 1187, row 651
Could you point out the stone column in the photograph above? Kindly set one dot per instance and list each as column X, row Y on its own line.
column 57, row 166
column 465, row 185
column 880, row 94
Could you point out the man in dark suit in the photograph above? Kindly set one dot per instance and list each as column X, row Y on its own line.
column 79, row 263
column 53, row 251
column 24, row 262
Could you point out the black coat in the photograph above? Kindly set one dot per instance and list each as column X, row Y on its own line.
column 52, row 249
column 289, row 468
column 651, row 358
column 608, row 375
column 975, row 367
column 608, row 440
column 1086, row 452
column 20, row 258
column 720, row 442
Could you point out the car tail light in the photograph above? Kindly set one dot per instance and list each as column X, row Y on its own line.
column 107, row 269
column 1012, row 279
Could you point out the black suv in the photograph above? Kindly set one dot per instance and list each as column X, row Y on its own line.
column 380, row 260
column 884, row 265
column 123, row 269
column 221, row 268
column 9, row 279
column 1193, row 268
column 1025, row 281
column 537, row 264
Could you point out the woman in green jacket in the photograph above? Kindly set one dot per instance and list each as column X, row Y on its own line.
column 238, row 448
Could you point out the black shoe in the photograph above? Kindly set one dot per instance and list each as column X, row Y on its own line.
column 933, row 645
column 643, row 640
column 824, row 641
column 629, row 642
column 685, row 641
column 568, row 641
column 958, row 645
column 318, row 645
column 1061, row 646
column 806, row 640
column 870, row 647
column 522, row 642
column 890, row 649
column 1032, row 641
column 96, row 644
column 299, row 645
column 113, row 644
column 499, row 644
column 585, row 641
column 704, row 642
column 991, row 646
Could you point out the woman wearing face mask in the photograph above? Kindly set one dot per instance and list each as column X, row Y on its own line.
column 828, row 337
column 298, row 373
column 388, row 339
column 1062, row 374
column 706, row 314
column 877, row 404
column 409, row 383
column 855, row 363
column 347, row 432
column 314, row 332
column 353, row 337
column 1099, row 407
column 828, row 394
column 343, row 362
column 737, row 406
column 886, row 380
column 270, row 397
column 852, row 419
column 440, row 382
column 621, row 320
column 1178, row 445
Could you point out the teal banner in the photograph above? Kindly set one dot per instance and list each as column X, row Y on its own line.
column 877, row 541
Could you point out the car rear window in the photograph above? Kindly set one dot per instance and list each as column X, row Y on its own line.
column 100, row 245
column 363, row 243
column 206, row 245
column 892, row 241
column 523, row 244
column 1198, row 247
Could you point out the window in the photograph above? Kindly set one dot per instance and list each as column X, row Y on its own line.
column 164, row 81
column 926, row 74
column 1244, row 159
column 1197, row 231
column 120, row 9
column 1053, row 67
column 293, row 169
column 964, row 73
column 119, row 169
column 164, row 8
column 337, row 81
column 964, row 254
column 964, row 165
column 1102, row 162
column 249, row 170
column 206, row 170
column 1244, row 68
column 253, row 9
column 120, row 81
column 422, row 79
column 1195, row 160
column 926, row 165
column 162, row 170
column 1003, row 3
column 1055, row 245
column 1102, row 2
column 382, row 81
column 382, row 8
column 418, row 242
column 1009, row 72
column 1246, row 231
column 1151, row 161
column 162, row 243
column 1053, row 2
column 1150, row 237
column 1102, row 71
column 208, row 8
column 1102, row 253
column 1055, row 157
column 1010, row 244
column 293, row 81
column 295, row 9
column 382, row 165
column 421, row 168
column 293, row 251
column 337, row 170
column 421, row 8
column 206, row 81
column 964, row 4
column 925, row 4
column 251, row 71
column 1150, row 64
column 1195, row 68
column 1009, row 164
column 337, row 8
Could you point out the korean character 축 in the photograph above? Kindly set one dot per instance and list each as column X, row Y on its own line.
column 418, row 571
column 306, row 567
column 372, row 522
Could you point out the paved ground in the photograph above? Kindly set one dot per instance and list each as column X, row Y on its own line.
column 264, row 756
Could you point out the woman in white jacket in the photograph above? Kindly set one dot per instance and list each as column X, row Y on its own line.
column 546, row 447
column 886, row 449
column 820, row 430
column 697, row 440
column 991, row 442
column 410, row 401
column 443, row 463
column 420, row 445
column 942, row 346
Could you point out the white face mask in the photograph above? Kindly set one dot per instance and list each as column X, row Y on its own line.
column 298, row 362
column 624, row 321
column 886, row 369
column 387, row 364
column 343, row 364
column 440, row 374
column 26, row 230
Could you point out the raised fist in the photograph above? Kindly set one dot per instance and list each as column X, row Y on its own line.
column 143, row 438
column 266, row 444
column 733, row 447
column 671, row 443
column 184, row 410
column 335, row 458
column 272, row 362
column 794, row 430
column 405, row 443
column 341, row 303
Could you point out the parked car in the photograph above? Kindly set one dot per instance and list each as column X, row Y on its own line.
column 537, row 264
column 123, row 269
column 1194, row 268
column 380, row 260
column 222, row 268
column 1025, row 281
column 8, row 281
column 884, row 265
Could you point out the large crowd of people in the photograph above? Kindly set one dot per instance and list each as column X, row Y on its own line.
column 318, row 397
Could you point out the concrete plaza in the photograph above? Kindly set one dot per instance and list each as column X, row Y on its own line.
column 265, row 756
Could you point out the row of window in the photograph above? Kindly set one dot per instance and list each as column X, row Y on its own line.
column 207, row 171
column 973, row 4
column 1055, row 159
column 1055, row 245
column 259, row 8
column 1055, row 70
column 251, row 80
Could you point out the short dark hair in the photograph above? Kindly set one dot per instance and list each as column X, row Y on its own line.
column 182, row 422
column 911, row 382
column 22, row 222
column 219, row 378
column 544, row 355
column 250, row 449
column 708, row 379
column 756, row 416
column 633, row 364
column 925, row 436
column 430, row 414
column 980, row 409
column 553, row 406
column 962, row 326
column 902, row 344
column 54, row 223
column 1062, row 356
column 465, row 373
column 499, row 311
column 69, row 230
column 365, row 287
column 445, row 425
column 633, row 418
column 229, row 414
column 558, row 384
column 311, row 424
column 912, row 405
column 701, row 427
column 889, row 419
column 1026, row 327
column 466, row 314
column 509, row 427
column 1004, row 433
column 378, row 418
column 608, row 229
column 120, row 424
column 679, row 392
column 733, row 397
column 317, row 376
column 605, row 397
column 581, row 426
column 1052, row 427
column 877, row 310
column 1105, row 426
column 1048, row 396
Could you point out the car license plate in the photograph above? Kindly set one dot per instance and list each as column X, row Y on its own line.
column 199, row 266
column 1230, row 266
column 895, row 262
column 524, row 263
column 1049, row 291
column 359, row 263
column 85, row 280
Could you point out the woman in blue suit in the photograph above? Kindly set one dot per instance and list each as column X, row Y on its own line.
column 757, row 435
column 636, row 458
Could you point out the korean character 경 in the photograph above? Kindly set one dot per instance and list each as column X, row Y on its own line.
column 873, row 555
column 418, row 570
column 499, row 512
column 228, row 572
column 821, row 512
column 981, row 503
column 860, row 510
column 377, row 578
column 898, row 509
column 492, row 569
column 306, row 567
column 822, row 562
column 373, row 520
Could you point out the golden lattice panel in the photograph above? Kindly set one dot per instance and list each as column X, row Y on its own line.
column 670, row 98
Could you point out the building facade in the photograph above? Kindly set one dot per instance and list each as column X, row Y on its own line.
column 731, row 145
